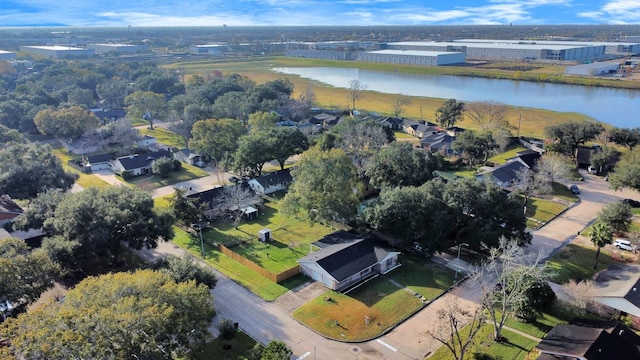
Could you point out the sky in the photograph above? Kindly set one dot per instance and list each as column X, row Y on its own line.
column 315, row 12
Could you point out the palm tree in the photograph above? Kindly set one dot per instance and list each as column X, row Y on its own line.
column 601, row 235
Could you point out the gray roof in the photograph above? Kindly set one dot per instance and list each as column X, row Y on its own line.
column 275, row 178
column 342, row 261
column 142, row 160
column 99, row 158
column 7, row 205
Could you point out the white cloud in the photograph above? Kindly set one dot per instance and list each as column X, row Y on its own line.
column 615, row 12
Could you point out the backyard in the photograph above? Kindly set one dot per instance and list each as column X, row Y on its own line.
column 187, row 172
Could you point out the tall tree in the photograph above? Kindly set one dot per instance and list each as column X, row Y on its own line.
column 215, row 138
column 146, row 105
column 529, row 183
column 24, row 273
column 625, row 136
column 399, row 104
column 260, row 121
column 514, row 272
column 360, row 141
column 399, row 164
column 183, row 269
column 474, row 146
column 449, row 113
column 355, row 91
column 252, row 153
column 28, row 169
column 102, row 219
column 286, row 142
column 627, row 171
column 601, row 235
column 454, row 319
column 487, row 115
column 185, row 209
column 112, row 92
column 617, row 215
column 11, row 136
column 567, row 136
column 141, row 315
column 235, row 198
column 325, row 186
column 604, row 157
column 66, row 123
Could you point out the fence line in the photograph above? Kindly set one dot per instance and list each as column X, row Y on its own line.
column 257, row 268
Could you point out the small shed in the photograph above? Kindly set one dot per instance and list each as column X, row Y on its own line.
column 264, row 235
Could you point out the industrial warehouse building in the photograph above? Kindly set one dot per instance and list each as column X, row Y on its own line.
column 119, row 48
column 610, row 48
column 413, row 57
column 209, row 49
column 593, row 69
column 508, row 50
column 7, row 55
column 57, row 51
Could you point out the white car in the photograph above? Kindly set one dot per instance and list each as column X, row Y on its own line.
column 624, row 245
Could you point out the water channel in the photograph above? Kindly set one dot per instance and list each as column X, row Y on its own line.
column 614, row 106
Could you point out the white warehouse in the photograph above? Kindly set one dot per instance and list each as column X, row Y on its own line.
column 7, row 55
column 413, row 57
column 120, row 48
column 57, row 51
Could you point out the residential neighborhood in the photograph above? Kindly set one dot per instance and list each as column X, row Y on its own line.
column 200, row 213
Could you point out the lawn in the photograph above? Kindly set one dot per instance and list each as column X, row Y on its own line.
column 403, row 136
column 84, row 180
column 502, row 158
column 187, row 172
column 241, row 346
column 575, row 261
column 291, row 237
column 559, row 313
column 422, row 276
column 162, row 202
column 560, row 191
column 165, row 136
column 239, row 273
column 342, row 317
column 514, row 346
column 543, row 210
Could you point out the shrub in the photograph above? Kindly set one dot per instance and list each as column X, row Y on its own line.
column 227, row 329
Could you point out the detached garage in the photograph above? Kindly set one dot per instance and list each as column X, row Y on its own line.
column 100, row 162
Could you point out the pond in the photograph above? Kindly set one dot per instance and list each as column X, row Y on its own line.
column 614, row 106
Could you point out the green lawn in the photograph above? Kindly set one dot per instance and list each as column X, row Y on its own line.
column 291, row 237
column 502, row 158
column 162, row 202
column 244, row 276
column 241, row 346
column 84, row 180
column 165, row 136
column 403, row 136
column 422, row 276
column 514, row 346
column 560, row 191
column 575, row 261
column 187, row 172
column 382, row 302
column 543, row 210
column 559, row 313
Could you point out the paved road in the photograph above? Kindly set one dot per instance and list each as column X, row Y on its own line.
column 266, row 321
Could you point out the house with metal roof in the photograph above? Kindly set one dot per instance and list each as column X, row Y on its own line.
column 344, row 264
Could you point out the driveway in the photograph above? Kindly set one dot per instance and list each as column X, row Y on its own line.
column 266, row 321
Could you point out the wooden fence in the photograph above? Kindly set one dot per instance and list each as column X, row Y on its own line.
column 257, row 268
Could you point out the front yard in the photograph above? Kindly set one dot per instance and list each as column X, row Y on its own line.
column 84, row 180
column 151, row 181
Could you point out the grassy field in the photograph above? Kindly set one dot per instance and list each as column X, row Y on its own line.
column 533, row 121
column 187, row 172
column 239, row 347
column 291, row 237
column 382, row 302
column 84, row 180
column 575, row 261
column 165, row 136
column 237, row 272
column 543, row 210
column 422, row 276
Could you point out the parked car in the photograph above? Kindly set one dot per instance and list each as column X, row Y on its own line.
column 574, row 189
column 632, row 203
column 625, row 245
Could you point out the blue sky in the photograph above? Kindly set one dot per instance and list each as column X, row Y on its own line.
column 315, row 12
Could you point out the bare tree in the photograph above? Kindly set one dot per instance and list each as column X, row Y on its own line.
column 360, row 141
column 504, row 279
column 235, row 199
column 399, row 104
column 553, row 166
column 529, row 183
column 580, row 295
column 308, row 96
column 487, row 115
column 355, row 91
column 453, row 319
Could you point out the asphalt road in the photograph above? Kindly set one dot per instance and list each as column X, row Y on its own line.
column 266, row 321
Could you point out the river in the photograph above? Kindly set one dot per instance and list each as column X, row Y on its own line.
column 613, row 106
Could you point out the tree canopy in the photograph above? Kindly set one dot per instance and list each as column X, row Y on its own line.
column 617, row 215
column 627, row 171
column 449, row 113
column 625, row 136
column 143, row 315
column 215, row 138
column 66, row 123
column 567, row 136
column 28, row 169
column 146, row 106
column 325, row 186
column 474, row 146
column 399, row 164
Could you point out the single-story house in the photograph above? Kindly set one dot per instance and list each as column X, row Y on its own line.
column 100, row 161
column 618, row 287
column 529, row 157
column 210, row 198
column 9, row 210
column 590, row 340
column 505, row 175
column 438, row 142
column 146, row 141
column 138, row 164
column 217, row 202
column 81, row 146
column 392, row 122
column 343, row 265
column 107, row 115
column 419, row 128
column 189, row 157
column 271, row 182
